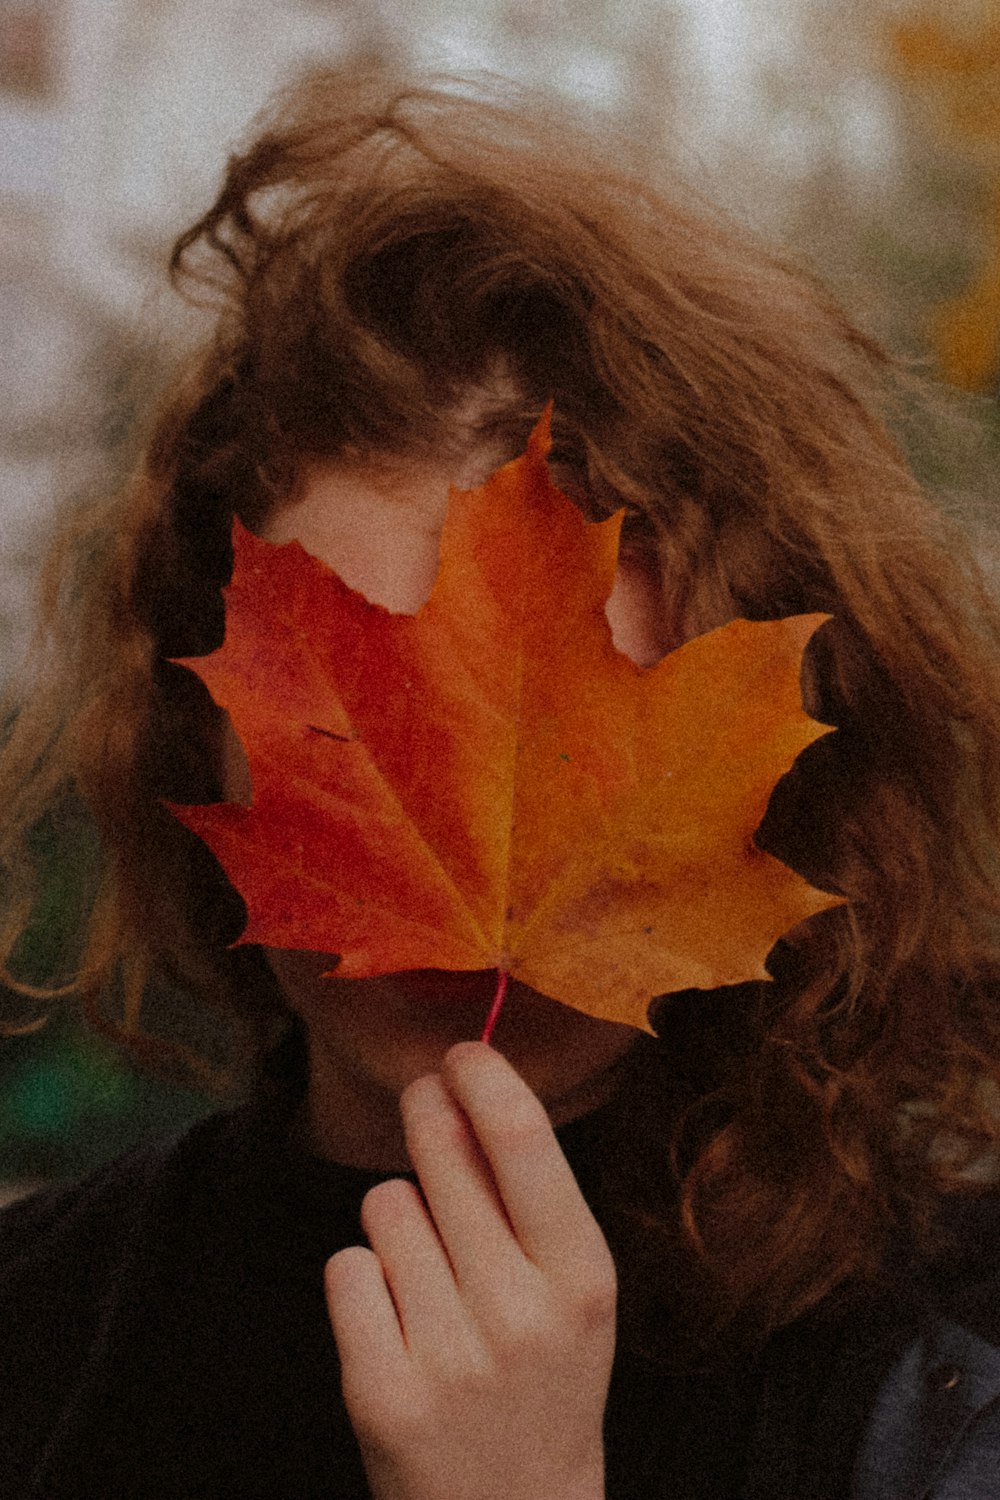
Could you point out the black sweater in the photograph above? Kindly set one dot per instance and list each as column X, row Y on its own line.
column 163, row 1333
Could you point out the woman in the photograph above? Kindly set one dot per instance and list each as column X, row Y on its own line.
column 793, row 1177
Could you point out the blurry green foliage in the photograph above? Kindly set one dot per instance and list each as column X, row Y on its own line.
column 70, row 1099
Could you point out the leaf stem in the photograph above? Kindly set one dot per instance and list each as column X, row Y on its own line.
column 498, row 999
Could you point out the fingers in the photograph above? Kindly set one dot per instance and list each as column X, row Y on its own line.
column 415, row 1266
column 502, row 1206
column 476, row 1336
column 457, row 1182
column 364, row 1323
column 540, row 1196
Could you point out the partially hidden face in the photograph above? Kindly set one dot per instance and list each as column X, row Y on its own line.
column 380, row 533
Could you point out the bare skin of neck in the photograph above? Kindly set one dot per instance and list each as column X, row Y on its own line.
column 350, row 1117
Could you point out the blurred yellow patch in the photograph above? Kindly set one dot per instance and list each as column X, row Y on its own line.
column 959, row 73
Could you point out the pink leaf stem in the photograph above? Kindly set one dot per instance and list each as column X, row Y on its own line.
column 495, row 1008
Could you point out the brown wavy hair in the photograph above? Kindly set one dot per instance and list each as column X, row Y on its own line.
column 376, row 252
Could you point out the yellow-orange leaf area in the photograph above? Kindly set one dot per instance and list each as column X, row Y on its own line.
column 489, row 783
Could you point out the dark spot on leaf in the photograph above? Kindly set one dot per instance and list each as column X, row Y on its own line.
column 345, row 739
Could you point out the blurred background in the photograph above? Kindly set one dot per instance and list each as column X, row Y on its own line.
column 864, row 135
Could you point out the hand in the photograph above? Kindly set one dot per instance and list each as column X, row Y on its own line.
column 476, row 1336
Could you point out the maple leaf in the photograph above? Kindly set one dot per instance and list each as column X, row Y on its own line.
column 489, row 783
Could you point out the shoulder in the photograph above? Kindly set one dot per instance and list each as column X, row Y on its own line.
column 935, row 1426
column 86, row 1270
column 164, row 1319
column 68, row 1250
column 91, row 1219
column 60, row 1247
column 965, row 1279
column 74, row 1214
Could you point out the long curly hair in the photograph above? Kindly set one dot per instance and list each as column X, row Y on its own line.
column 375, row 252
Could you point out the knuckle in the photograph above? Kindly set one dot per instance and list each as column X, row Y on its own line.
column 520, row 1334
column 524, row 1324
column 402, row 1419
column 596, row 1307
column 461, row 1380
column 595, row 1294
column 521, row 1126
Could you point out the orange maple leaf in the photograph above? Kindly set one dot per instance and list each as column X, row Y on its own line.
column 489, row 783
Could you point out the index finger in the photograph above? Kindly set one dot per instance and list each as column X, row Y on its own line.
column 548, row 1214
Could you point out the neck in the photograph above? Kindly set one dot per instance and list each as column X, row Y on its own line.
column 350, row 1117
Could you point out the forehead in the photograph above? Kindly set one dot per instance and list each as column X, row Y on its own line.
column 379, row 530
